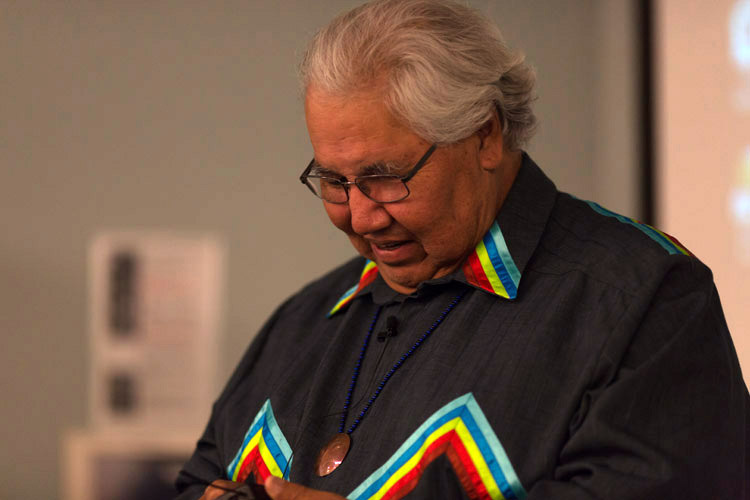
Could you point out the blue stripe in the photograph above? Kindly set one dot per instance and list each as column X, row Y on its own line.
column 497, row 263
column 273, row 448
column 284, row 450
column 346, row 295
column 409, row 453
column 661, row 240
column 489, row 446
column 502, row 248
column 498, row 451
column 381, row 471
column 257, row 423
column 275, row 441
column 488, row 454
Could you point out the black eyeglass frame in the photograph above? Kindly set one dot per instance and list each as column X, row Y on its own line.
column 346, row 184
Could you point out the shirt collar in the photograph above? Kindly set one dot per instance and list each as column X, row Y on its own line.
column 497, row 263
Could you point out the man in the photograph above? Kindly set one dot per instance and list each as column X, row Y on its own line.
column 496, row 338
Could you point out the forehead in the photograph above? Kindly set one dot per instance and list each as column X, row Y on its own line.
column 350, row 131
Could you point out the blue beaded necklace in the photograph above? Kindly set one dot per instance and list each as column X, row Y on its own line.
column 333, row 453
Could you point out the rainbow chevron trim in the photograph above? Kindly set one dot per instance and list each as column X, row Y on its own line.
column 491, row 267
column 668, row 243
column 461, row 432
column 368, row 276
column 264, row 451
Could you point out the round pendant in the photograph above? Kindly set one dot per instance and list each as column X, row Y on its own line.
column 332, row 454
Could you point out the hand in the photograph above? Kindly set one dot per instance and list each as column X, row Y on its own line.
column 212, row 493
column 278, row 489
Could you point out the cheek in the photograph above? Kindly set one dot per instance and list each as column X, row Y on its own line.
column 442, row 226
column 339, row 216
column 426, row 216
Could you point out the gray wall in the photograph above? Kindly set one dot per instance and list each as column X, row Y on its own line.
column 184, row 115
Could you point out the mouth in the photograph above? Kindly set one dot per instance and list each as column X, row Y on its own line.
column 388, row 245
column 393, row 252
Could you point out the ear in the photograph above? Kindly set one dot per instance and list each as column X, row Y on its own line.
column 491, row 143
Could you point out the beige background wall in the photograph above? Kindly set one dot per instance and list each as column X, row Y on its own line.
column 183, row 114
column 705, row 163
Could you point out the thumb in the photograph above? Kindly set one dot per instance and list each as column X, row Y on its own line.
column 278, row 489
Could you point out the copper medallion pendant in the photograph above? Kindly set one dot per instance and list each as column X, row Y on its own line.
column 332, row 454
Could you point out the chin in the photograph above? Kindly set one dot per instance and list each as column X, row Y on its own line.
column 400, row 279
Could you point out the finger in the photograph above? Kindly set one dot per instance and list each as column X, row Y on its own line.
column 278, row 489
column 218, row 488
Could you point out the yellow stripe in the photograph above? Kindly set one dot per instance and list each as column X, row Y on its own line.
column 265, row 454
column 489, row 270
column 478, row 460
column 414, row 460
column 341, row 302
column 368, row 266
column 250, row 445
column 345, row 300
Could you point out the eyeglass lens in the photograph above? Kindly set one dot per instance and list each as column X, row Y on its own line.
column 382, row 189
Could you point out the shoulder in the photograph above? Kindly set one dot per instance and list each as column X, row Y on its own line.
column 583, row 236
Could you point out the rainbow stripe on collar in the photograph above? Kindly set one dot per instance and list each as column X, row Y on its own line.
column 264, row 450
column 490, row 267
column 461, row 432
column 368, row 276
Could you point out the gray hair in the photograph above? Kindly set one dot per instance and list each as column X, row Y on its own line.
column 443, row 68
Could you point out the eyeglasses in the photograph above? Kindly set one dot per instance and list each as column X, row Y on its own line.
column 384, row 188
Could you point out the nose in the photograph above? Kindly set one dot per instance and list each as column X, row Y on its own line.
column 367, row 216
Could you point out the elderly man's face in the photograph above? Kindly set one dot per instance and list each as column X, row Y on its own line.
column 452, row 200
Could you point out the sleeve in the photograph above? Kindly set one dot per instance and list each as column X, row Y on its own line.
column 205, row 465
column 669, row 416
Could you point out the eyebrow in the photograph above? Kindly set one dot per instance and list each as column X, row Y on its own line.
column 318, row 169
column 378, row 168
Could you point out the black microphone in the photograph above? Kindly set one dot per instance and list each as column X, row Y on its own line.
column 391, row 329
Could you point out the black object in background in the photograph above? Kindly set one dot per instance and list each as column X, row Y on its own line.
column 122, row 303
column 121, row 393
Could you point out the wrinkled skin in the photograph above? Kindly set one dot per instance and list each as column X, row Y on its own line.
column 454, row 197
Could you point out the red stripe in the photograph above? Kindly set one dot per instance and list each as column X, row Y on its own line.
column 671, row 238
column 478, row 272
column 247, row 466
column 406, row 484
column 254, row 464
column 469, row 272
column 367, row 278
column 364, row 280
column 466, row 469
column 263, row 471
column 466, row 472
column 677, row 242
